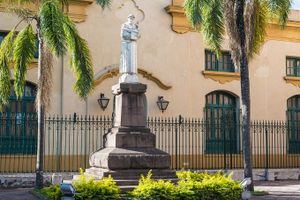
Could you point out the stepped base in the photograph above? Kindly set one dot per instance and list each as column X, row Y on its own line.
column 128, row 179
column 129, row 174
column 133, row 158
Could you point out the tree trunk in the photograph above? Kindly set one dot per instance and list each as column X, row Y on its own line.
column 245, row 91
column 41, row 117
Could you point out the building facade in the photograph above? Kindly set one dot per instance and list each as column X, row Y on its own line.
column 174, row 62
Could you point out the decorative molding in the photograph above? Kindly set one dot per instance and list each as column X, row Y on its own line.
column 76, row 10
column 138, row 8
column 292, row 80
column 222, row 77
column 180, row 24
column 110, row 72
column 150, row 77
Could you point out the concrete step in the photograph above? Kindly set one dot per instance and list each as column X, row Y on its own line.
column 127, row 188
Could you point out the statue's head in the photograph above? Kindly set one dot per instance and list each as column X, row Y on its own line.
column 131, row 17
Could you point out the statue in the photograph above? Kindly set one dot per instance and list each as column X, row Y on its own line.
column 128, row 62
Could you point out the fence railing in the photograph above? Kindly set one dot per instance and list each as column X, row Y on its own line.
column 192, row 143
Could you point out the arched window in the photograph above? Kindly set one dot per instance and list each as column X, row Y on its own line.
column 293, row 119
column 18, row 124
column 221, row 113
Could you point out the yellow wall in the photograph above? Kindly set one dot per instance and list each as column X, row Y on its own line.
column 175, row 59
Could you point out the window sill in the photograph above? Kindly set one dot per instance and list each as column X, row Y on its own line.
column 222, row 77
column 294, row 80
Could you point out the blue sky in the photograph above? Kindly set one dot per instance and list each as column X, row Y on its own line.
column 296, row 4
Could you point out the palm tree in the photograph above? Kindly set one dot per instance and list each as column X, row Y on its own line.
column 245, row 22
column 56, row 35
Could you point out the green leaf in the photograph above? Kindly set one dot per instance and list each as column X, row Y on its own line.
column 6, row 47
column 52, row 26
column 5, row 84
column 280, row 9
column 193, row 11
column 25, row 48
column 261, row 21
column 80, row 59
column 213, row 27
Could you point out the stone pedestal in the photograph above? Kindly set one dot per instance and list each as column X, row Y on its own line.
column 130, row 146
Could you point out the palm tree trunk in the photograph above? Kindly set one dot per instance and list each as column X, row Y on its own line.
column 41, row 116
column 245, row 91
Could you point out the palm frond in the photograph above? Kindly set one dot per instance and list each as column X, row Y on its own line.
column 80, row 59
column 22, row 13
column 193, row 11
column 231, row 29
column 213, row 27
column 51, row 24
column 256, row 39
column 7, row 45
column 280, row 9
column 104, row 3
column 5, row 84
column 24, row 50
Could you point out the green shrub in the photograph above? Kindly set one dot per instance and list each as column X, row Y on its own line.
column 154, row 190
column 188, row 175
column 88, row 189
column 194, row 186
column 52, row 192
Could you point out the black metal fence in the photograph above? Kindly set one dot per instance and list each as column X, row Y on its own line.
column 192, row 143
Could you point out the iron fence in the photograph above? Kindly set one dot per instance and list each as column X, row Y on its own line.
column 192, row 143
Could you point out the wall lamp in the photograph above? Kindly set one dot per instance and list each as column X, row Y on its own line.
column 103, row 101
column 162, row 104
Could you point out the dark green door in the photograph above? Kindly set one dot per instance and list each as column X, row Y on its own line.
column 221, row 121
column 293, row 120
column 19, row 124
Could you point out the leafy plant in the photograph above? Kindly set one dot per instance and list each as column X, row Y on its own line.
column 154, row 189
column 52, row 192
column 88, row 188
column 194, row 186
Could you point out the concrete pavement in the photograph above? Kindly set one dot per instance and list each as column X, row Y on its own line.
column 278, row 190
column 17, row 194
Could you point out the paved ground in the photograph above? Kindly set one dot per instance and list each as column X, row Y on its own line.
column 279, row 190
column 17, row 194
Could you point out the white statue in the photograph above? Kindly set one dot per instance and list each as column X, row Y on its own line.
column 128, row 62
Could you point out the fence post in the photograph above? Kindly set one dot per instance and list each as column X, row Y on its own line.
column 267, row 152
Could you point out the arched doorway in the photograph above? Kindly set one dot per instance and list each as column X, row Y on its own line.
column 221, row 115
column 293, row 120
column 19, row 123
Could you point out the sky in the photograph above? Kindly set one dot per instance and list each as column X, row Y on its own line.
column 296, row 4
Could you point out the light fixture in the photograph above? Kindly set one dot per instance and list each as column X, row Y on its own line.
column 162, row 104
column 103, row 101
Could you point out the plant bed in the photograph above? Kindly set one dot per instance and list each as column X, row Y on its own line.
column 191, row 186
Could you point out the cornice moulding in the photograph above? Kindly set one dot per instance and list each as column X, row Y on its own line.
column 77, row 9
column 292, row 80
column 222, row 77
column 180, row 24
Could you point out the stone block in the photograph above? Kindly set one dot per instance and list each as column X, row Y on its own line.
column 130, row 105
column 131, row 158
column 130, row 139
